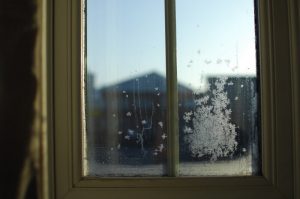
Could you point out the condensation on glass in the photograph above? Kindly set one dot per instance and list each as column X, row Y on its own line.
column 126, row 98
column 125, row 89
column 218, row 103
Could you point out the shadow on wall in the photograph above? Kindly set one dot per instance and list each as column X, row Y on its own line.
column 17, row 91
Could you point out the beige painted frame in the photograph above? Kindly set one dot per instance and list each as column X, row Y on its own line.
column 278, row 25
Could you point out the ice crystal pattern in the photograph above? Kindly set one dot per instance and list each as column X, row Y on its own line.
column 208, row 130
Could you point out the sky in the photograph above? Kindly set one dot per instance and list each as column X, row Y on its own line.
column 126, row 38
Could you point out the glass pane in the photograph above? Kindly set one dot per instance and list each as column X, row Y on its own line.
column 126, row 89
column 218, row 94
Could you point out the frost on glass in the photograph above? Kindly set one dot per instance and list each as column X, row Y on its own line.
column 219, row 128
column 125, row 89
column 218, row 107
column 212, row 134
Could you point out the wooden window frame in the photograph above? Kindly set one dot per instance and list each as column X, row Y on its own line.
column 279, row 73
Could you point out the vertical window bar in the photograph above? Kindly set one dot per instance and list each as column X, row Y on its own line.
column 172, row 94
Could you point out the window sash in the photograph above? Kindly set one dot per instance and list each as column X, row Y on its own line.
column 172, row 86
column 172, row 90
column 277, row 154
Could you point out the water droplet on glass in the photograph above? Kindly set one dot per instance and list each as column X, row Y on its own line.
column 227, row 61
column 164, row 136
column 127, row 137
column 144, row 122
column 207, row 61
column 161, row 147
column 130, row 132
column 219, row 61
column 160, row 124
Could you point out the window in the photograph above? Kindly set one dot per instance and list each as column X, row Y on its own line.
column 127, row 98
column 276, row 180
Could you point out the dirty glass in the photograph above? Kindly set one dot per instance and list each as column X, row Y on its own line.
column 125, row 89
column 218, row 102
